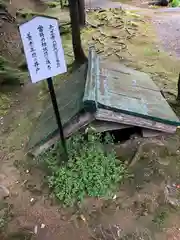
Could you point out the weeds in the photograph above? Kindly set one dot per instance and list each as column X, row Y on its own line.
column 89, row 171
column 160, row 217
column 5, row 104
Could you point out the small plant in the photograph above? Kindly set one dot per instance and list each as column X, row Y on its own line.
column 89, row 171
column 160, row 217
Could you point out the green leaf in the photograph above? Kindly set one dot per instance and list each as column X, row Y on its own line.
column 89, row 171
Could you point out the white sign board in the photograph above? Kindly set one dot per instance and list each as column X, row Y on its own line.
column 43, row 48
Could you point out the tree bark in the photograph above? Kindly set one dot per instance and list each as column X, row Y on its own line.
column 76, row 34
column 82, row 14
column 61, row 4
column 178, row 85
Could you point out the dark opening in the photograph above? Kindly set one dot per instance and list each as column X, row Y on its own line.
column 161, row 3
column 122, row 135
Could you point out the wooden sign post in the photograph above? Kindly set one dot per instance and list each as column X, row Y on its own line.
column 45, row 57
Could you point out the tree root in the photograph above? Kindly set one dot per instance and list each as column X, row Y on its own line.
column 139, row 151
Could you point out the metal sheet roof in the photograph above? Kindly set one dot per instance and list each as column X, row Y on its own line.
column 113, row 94
column 125, row 90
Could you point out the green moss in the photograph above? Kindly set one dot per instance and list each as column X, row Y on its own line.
column 2, row 4
column 8, row 74
column 150, row 51
column 53, row 4
column 65, row 29
column 67, row 46
column 5, row 103
column 29, row 14
column 23, row 65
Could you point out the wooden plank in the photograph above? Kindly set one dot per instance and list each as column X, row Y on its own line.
column 69, row 96
column 78, row 122
column 104, row 126
column 108, row 115
column 120, row 93
column 149, row 133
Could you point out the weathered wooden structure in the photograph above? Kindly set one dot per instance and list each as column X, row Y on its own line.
column 109, row 96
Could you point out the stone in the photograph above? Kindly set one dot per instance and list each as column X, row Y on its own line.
column 4, row 192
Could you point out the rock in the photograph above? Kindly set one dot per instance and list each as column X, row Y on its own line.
column 4, row 192
column 43, row 225
column 33, row 201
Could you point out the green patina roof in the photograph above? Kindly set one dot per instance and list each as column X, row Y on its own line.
column 69, row 97
column 119, row 88
column 107, row 86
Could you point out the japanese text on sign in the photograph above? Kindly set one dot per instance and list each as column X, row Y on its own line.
column 43, row 48
column 33, row 52
column 55, row 49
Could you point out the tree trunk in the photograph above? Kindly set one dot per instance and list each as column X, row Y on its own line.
column 178, row 85
column 82, row 14
column 76, row 37
column 61, row 4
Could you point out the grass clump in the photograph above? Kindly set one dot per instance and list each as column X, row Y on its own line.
column 5, row 104
column 89, row 172
column 175, row 3
column 160, row 217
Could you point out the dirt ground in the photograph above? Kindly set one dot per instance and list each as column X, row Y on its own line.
column 143, row 208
